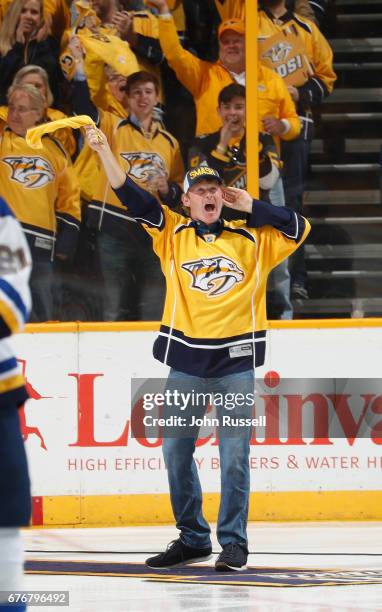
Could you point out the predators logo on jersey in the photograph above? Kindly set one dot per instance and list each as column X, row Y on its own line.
column 284, row 52
column 214, row 276
column 144, row 166
column 32, row 172
column 279, row 52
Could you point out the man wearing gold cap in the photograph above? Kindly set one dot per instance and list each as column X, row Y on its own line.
column 204, row 79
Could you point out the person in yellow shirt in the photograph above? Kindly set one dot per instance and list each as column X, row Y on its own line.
column 43, row 192
column 225, row 150
column 275, row 20
column 139, row 27
column 204, row 80
column 102, row 44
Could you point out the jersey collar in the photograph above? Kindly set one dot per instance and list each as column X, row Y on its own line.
column 203, row 230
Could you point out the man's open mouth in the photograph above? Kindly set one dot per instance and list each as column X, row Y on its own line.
column 209, row 207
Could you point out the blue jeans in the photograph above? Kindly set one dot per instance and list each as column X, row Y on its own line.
column 185, row 489
column 279, row 278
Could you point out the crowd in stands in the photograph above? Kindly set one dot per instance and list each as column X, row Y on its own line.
column 165, row 81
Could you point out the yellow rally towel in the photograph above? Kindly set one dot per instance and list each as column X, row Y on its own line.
column 34, row 135
column 111, row 50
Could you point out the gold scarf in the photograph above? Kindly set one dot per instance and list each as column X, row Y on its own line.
column 34, row 135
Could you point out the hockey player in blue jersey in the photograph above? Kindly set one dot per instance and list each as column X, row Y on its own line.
column 15, row 304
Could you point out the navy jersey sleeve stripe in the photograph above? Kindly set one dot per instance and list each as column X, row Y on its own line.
column 289, row 223
column 141, row 205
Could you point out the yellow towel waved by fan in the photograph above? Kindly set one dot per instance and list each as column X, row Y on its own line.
column 34, row 135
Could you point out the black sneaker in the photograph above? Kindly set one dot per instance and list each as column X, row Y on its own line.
column 232, row 557
column 178, row 553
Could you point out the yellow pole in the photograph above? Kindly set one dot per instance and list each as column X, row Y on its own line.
column 251, row 26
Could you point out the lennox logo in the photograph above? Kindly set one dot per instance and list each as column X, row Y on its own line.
column 214, row 276
column 285, row 414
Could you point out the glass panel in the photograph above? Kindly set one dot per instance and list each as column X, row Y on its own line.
column 187, row 107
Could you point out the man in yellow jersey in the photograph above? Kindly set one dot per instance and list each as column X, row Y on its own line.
column 212, row 336
column 204, row 79
column 43, row 193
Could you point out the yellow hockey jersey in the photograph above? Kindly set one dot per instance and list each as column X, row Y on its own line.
column 317, row 51
column 142, row 156
column 102, row 47
column 214, row 320
column 43, row 192
column 274, row 100
column 146, row 25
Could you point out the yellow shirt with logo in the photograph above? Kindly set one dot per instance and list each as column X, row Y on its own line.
column 317, row 49
column 214, row 320
column 142, row 155
column 41, row 186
